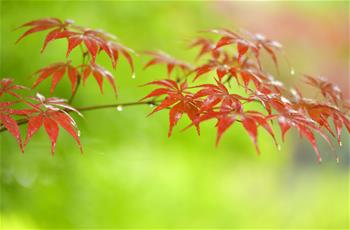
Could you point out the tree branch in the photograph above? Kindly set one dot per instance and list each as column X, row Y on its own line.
column 94, row 107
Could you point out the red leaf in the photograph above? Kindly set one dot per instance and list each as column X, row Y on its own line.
column 250, row 125
column 73, row 41
column 99, row 73
column 168, row 101
column 99, row 79
column 41, row 25
column 11, row 125
column 112, row 49
column 167, row 83
column 242, row 48
column 223, row 124
column 73, row 77
column 7, row 86
column 224, row 41
column 52, row 112
column 34, row 125
column 284, row 125
column 183, row 102
column 92, row 46
column 338, row 127
column 170, row 69
column 221, row 72
column 203, row 69
column 174, row 115
column 156, row 92
column 207, row 46
column 269, row 45
column 57, row 71
column 128, row 58
column 52, row 131
column 68, row 124
column 310, row 136
column 56, row 77
column 329, row 90
column 56, row 34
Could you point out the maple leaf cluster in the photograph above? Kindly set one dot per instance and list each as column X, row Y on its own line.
column 53, row 113
column 237, row 89
column 37, row 111
column 233, row 65
column 91, row 42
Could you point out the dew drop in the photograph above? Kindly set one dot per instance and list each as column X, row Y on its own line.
column 70, row 21
column 133, row 76
column 120, row 108
column 340, row 143
column 78, row 133
column 292, row 71
column 151, row 105
column 279, row 147
column 337, row 160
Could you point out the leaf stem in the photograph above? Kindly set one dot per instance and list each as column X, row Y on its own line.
column 70, row 100
column 84, row 54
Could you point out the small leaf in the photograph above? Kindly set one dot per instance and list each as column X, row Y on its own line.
column 34, row 125
column 52, row 131
column 11, row 125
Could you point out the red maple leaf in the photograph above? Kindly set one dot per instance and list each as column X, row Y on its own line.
column 57, row 26
column 329, row 90
column 7, row 86
column 51, row 113
column 206, row 46
column 93, row 40
column 57, row 71
column 113, row 49
column 227, row 65
column 215, row 94
column 99, row 73
column 178, row 99
column 270, row 46
column 9, row 123
column 90, row 38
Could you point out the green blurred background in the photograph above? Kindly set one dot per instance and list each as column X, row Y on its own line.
column 131, row 175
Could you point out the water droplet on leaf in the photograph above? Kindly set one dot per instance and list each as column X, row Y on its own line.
column 120, row 108
column 133, row 76
column 279, row 147
column 292, row 71
column 340, row 143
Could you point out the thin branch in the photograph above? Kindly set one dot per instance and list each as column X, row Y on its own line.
column 87, row 108
column 94, row 107
column 70, row 100
column 84, row 55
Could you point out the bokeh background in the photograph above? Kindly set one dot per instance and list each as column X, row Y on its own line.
column 131, row 175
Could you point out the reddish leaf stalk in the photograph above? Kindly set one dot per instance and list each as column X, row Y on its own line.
column 70, row 100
